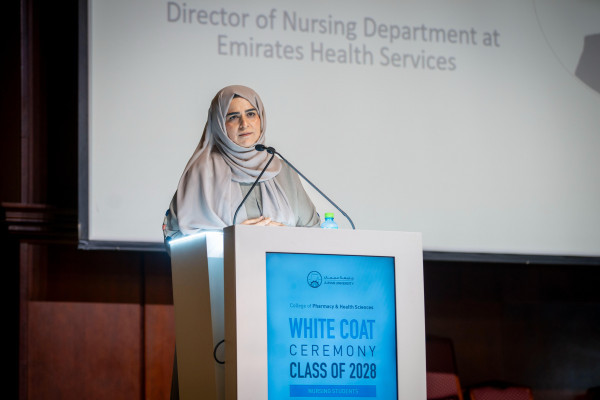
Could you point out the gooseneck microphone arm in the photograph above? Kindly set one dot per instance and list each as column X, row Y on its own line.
column 254, row 184
column 271, row 150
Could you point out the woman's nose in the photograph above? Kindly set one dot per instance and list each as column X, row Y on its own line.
column 243, row 122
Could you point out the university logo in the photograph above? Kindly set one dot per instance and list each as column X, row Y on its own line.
column 314, row 279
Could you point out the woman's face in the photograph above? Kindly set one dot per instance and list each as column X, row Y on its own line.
column 242, row 122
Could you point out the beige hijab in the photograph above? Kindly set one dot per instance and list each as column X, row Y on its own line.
column 209, row 193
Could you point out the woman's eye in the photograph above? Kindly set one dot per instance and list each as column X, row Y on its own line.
column 251, row 114
column 232, row 117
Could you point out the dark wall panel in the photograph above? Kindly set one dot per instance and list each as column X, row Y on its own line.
column 536, row 325
column 159, row 350
column 85, row 351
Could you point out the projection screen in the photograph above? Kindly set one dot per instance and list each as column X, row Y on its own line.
column 476, row 123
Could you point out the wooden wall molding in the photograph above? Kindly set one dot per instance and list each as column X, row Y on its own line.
column 40, row 222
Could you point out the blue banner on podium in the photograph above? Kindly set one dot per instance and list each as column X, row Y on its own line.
column 331, row 326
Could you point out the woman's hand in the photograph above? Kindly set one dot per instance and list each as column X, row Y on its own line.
column 261, row 221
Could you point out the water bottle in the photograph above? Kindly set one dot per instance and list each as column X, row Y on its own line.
column 329, row 222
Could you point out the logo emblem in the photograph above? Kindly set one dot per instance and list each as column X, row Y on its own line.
column 314, row 279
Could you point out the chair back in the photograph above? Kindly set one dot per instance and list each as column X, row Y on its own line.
column 440, row 355
column 443, row 386
column 494, row 393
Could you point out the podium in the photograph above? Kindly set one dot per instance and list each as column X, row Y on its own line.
column 303, row 312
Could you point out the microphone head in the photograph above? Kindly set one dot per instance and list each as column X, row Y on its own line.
column 262, row 147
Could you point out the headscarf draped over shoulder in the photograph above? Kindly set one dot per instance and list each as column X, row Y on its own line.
column 208, row 192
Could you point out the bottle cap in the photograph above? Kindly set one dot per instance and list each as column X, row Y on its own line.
column 328, row 215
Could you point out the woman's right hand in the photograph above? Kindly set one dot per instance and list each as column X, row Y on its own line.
column 261, row 221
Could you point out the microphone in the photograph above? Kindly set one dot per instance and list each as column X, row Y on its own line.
column 272, row 151
column 257, row 179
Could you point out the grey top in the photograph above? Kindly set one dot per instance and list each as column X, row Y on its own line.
column 305, row 213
